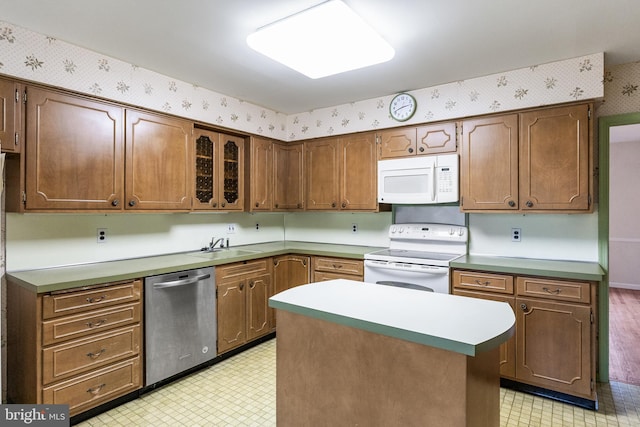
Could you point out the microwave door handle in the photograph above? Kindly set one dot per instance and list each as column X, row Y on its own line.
column 434, row 189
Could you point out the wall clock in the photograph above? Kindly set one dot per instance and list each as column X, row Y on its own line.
column 402, row 107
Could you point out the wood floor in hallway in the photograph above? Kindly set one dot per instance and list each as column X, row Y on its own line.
column 624, row 335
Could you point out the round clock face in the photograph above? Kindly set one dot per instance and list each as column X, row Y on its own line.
column 402, row 107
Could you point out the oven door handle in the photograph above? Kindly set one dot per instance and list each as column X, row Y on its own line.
column 403, row 266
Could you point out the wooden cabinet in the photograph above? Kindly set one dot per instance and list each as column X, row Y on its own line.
column 219, row 174
column 79, row 347
column 429, row 139
column 259, row 174
column 11, row 110
column 288, row 175
column 74, row 154
column 158, row 163
column 289, row 271
column 329, row 268
column 243, row 291
column 555, row 339
column 341, row 173
column 536, row 161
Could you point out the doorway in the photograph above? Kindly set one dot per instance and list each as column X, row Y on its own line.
column 619, row 238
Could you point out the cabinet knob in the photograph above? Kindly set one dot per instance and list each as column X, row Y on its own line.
column 333, row 204
column 115, row 202
column 411, row 150
column 529, row 203
column 512, row 203
column 421, row 149
column 276, row 206
column 215, row 204
column 224, row 204
column 257, row 205
column 132, row 202
column 299, row 205
column 252, row 284
column 524, row 307
column 241, row 286
column 344, row 204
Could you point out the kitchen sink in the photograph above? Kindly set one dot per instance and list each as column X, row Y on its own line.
column 223, row 253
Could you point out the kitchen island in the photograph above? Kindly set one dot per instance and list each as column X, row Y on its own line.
column 352, row 353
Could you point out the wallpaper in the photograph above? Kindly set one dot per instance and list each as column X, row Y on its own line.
column 621, row 90
column 36, row 57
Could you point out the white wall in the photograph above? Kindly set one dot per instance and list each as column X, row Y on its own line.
column 44, row 240
column 546, row 236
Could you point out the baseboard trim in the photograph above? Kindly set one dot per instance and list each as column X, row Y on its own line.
column 632, row 286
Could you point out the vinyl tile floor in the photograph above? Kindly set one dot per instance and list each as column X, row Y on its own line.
column 241, row 391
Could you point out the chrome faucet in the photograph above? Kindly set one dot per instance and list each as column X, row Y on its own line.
column 214, row 242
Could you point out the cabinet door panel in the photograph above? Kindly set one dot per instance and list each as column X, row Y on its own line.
column 10, row 109
column 258, row 314
column 397, row 143
column 322, row 174
column 231, row 311
column 554, row 162
column 289, row 271
column 158, row 162
column 489, row 163
column 358, row 180
column 75, row 152
column 437, row 138
column 554, row 346
column 230, row 178
column 260, row 175
column 288, row 169
column 207, row 195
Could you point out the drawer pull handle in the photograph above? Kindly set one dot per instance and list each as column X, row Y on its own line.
column 549, row 291
column 96, row 355
column 95, row 390
column 485, row 283
column 336, row 266
column 96, row 324
column 97, row 299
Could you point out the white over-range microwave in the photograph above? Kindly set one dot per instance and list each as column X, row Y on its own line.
column 419, row 180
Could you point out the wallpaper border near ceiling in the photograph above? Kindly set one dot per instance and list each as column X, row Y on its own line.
column 35, row 57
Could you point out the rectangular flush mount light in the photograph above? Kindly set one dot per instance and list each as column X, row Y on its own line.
column 321, row 41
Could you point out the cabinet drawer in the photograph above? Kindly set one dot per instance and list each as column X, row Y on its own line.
column 80, row 325
column 554, row 289
column 339, row 265
column 85, row 392
column 321, row 276
column 483, row 281
column 89, row 299
column 65, row 360
column 242, row 268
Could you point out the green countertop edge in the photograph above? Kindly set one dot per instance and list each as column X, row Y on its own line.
column 577, row 270
column 81, row 275
column 389, row 331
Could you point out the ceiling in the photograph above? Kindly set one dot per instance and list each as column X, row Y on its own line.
column 203, row 41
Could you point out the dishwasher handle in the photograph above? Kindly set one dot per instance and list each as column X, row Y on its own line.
column 182, row 282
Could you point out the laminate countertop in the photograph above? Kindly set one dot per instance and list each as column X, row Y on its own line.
column 576, row 270
column 464, row 325
column 81, row 275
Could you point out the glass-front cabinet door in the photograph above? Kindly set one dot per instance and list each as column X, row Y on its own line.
column 219, row 178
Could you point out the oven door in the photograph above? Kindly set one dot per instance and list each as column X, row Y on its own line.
column 406, row 275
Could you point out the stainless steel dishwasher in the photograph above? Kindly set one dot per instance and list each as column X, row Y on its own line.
column 180, row 322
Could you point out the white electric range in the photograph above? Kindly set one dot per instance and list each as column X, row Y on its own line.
column 418, row 256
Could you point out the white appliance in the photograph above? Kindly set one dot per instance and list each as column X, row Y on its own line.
column 419, row 180
column 418, row 256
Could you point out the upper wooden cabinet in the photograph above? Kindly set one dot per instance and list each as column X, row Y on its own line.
column 259, row 174
column 536, row 161
column 158, row 162
column 489, row 163
column 74, row 154
column 288, row 175
column 341, row 173
column 219, row 174
column 11, row 105
column 429, row 139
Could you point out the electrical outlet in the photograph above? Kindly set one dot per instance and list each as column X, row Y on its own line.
column 354, row 228
column 231, row 228
column 257, row 226
column 516, row 234
column 101, row 235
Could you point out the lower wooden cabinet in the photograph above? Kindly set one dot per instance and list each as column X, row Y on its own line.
column 555, row 343
column 289, row 271
column 325, row 268
column 243, row 291
column 77, row 347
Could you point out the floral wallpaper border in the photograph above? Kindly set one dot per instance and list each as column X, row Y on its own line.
column 36, row 57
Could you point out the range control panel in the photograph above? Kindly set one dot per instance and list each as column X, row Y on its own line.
column 443, row 232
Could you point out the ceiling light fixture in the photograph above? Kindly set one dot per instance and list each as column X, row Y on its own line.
column 323, row 40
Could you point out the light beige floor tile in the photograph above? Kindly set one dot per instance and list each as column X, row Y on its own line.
column 241, row 391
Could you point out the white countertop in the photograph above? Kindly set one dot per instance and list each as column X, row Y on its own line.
column 464, row 325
